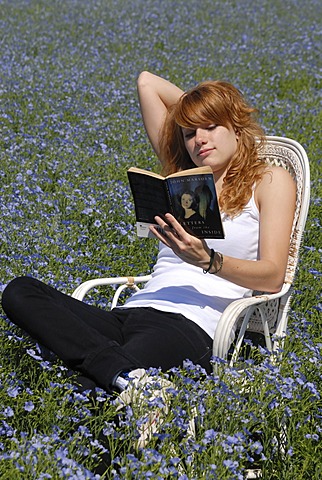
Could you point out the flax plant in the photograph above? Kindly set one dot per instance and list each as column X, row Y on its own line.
column 70, row 128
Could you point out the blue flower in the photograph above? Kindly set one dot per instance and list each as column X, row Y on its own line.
column 13, row 391
column 33, row 354
column 29, row 406
column 8, row 412
column 313, row 436
column 209, row 436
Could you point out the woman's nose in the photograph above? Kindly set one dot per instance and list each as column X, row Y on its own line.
column 200, row 136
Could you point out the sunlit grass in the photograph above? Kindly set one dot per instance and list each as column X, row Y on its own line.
column 70, row 128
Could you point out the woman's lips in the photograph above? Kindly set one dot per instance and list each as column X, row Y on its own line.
column 204, row 152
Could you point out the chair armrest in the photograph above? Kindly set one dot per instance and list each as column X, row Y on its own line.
column 227, row 325
column 127, row 282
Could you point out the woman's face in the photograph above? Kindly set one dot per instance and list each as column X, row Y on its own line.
column 212, row 145
column 186, row 200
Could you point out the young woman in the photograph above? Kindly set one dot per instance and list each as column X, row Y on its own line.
column 175, row 316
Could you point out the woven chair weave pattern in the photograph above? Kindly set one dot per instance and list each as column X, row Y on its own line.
column 276, row 155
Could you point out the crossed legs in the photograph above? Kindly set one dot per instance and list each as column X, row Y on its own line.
column 100, row 344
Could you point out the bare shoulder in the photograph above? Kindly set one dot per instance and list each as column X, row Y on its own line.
column 276, row 174
column 275, row 177
column 276, row 182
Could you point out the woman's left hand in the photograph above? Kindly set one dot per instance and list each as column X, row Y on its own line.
column 190, row 249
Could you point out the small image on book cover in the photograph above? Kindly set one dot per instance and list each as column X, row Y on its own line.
column 194, row 201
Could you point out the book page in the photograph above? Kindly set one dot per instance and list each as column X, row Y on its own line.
column 145, row 172
column 191, row 171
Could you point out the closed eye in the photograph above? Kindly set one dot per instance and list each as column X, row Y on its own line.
column 189, row 133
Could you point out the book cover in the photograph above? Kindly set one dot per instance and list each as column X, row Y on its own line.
column 189, row 195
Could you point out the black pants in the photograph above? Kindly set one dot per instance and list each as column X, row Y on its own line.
column 100, row 344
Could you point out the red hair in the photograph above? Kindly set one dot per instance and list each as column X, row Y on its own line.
column 220, row 103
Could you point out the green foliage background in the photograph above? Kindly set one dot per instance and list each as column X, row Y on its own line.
column 70, row 128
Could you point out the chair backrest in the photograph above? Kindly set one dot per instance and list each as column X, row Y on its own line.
column 289, row 154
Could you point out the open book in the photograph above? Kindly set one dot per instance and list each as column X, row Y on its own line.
column 189, row 195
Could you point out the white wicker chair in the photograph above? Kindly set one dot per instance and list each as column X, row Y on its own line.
column 262, row 313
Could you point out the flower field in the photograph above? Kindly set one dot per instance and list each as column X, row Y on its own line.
column 70, row 129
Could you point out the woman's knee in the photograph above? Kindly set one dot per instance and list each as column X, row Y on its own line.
column 15, row 291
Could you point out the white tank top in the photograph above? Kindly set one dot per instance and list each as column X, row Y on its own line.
column 178, row 287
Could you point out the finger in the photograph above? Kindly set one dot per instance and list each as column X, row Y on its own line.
column 173, row 222
column 170, row 231
column 161, row 221
column 176, row 226
column 160, row 234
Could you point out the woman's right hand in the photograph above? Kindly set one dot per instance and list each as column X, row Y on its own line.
column 156, row 96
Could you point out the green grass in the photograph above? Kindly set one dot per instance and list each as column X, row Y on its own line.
column 70, row 128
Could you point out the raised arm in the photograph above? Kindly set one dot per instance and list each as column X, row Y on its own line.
column 275, row 196
column 156, row 95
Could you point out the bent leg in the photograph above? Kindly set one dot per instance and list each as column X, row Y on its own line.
column 76, row 332
column 163, row 339
column 102, row 344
